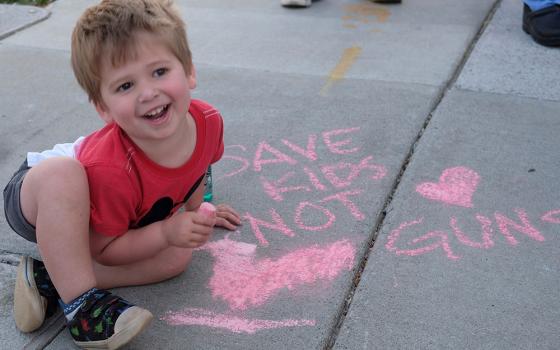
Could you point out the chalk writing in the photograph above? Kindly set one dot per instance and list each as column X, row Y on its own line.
column 552, row 216
column 287, row 156
column 456, row 186
column 233, row 323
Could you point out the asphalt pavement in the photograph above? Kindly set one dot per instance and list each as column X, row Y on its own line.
column 396, row 167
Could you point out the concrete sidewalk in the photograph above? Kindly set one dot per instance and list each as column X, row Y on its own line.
column 413, row 152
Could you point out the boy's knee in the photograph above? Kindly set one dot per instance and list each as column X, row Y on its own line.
column 177, row 262
column 64, row 171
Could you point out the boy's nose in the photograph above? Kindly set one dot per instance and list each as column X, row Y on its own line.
column 148, row 94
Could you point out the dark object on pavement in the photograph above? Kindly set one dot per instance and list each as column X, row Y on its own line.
column 543, row 25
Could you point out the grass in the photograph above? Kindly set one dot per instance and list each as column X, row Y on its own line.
column 27, row 2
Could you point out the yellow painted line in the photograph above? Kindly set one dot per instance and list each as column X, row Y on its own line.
column 348, row 58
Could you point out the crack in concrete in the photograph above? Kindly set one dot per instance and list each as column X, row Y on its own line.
column 331, row 340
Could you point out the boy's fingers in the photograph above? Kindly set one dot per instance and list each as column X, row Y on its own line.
column 226, row 224
column 203, row 220
column 230, row 217
column 202, row 230
column 224, row 208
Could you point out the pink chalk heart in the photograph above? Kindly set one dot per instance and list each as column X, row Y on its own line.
column 456, row 186
column 207, row 209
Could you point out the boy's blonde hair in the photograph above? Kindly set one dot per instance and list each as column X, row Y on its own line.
column 105, row 32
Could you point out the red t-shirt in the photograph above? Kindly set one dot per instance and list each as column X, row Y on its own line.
column 128, row 190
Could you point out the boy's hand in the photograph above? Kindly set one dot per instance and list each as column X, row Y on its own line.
column 226, row 217
column 189, row 229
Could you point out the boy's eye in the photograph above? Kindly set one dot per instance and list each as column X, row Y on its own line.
column 124, row 87
column 160, row 71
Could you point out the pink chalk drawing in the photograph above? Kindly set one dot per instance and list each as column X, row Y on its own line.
column 243, row 281
column 552, row 217
column 243, row 161
column 235, row 324
column 335, row 146
column 299, row 217
column 443, row 241
column 456, row 187
column 310, row 152
column 277, row 225
column 504, row 223
column 355, row 170
column 487, row 241
column 275, row 190
column 314, row 179
column 342, row 197
column 279, row 157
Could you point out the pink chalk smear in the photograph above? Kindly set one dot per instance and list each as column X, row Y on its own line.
column 235, row 324
column 456, row 187
column 201, row 317
column 244, row 281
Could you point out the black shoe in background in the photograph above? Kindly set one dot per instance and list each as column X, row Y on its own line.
column 543, row 25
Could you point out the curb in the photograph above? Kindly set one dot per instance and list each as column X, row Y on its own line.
column 14, row 18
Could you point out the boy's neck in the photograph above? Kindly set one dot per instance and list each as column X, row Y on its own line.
column 175, row 150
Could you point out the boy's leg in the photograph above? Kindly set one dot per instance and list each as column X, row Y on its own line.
column 166, row 264
column 55, row 199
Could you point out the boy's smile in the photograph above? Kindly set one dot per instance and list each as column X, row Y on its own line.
column 148, row 95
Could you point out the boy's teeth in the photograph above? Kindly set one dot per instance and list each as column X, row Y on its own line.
column 155, row 112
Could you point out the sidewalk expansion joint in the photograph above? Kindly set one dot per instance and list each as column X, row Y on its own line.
column 48, row 332
column 347, row 302
column 9, row 258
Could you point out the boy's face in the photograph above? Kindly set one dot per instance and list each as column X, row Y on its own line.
column 148, row 96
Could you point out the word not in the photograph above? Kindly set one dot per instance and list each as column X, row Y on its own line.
column 441, row 239
column 244, row 281
column 235, row 324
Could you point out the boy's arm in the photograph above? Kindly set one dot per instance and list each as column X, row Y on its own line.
column 183, row 229
column 134, row 245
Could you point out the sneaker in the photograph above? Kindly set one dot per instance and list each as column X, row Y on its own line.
column 543, row 25
column 35, row 297
column 295, row 3
column 106, row 321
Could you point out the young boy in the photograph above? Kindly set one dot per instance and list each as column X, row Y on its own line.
column 104, row 210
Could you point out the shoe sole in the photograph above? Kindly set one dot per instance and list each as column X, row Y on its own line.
column 296, row 3
column 29, row 306
column 539, row 39
column 135, row 321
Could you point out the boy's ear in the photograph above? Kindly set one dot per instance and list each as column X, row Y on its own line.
column 192, row 78
column 102, row 111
